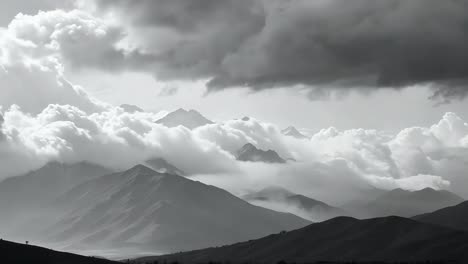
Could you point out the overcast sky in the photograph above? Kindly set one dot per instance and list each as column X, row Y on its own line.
column 311, row 64
column 380, row 86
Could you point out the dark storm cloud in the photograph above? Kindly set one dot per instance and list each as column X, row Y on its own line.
column 190, row 38
column 325, row 43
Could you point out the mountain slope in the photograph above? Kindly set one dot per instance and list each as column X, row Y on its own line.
column 190, row 119
column 455, row 217
column 280, row 199
column 293, row 132
column 407, row 203
column 23, row 254
column 24, row 197
column 249, row 152
column 342, row 239
column 148, row 210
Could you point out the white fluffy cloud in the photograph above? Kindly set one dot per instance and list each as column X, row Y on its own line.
column 36, row 49
column 113, row 138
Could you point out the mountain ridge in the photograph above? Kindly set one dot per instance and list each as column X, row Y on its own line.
column 149, row 210
column 341, row 239
column 455, row 217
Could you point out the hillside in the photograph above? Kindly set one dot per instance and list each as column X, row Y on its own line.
column 342, row 239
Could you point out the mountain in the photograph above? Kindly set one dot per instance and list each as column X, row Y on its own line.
column 23, row 197
column 455, row 217
column 25, row 254
column 280, row 199
column 341, row 239
column 293, row 132
column 410, row 203
column 190, row 119
column 250, row 153
column 162, row 166
column 150, row 211
column 131, row 108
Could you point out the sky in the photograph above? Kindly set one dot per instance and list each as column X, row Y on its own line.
column 380, row 87
column 360, row 108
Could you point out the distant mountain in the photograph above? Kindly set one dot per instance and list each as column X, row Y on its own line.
column 25, row 254
column 342, row 239
column 190, row 119
column 293, row 132
column 455, row 217
column 280, row 199
column 162, row 166
column 23, row 197
column 151, row 211
column 131, row 108
column 250, row 153
column 410, row 203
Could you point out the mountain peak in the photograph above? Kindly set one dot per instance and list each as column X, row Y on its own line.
column 249, row 152
column 141, row 169
column 190, row 119
column 293, row 132
column 163, row 166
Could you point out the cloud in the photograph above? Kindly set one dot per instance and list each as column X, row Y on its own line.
column 113, row 138
column 168, row 91
column 334, row 166
column 327, row 46
column 32, row 51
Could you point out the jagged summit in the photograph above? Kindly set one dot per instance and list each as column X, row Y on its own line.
column 249, row 152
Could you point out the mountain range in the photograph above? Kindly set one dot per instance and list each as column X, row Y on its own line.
column 405, row 203
column 139, row 209
column 190, row 119
column 84, row 207
column 249, row 152
column 280, row 199
column 341, row 239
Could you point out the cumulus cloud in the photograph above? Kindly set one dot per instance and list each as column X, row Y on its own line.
column 32, row 63
column 334, row 166
column 328, row 46
column 113, row 138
